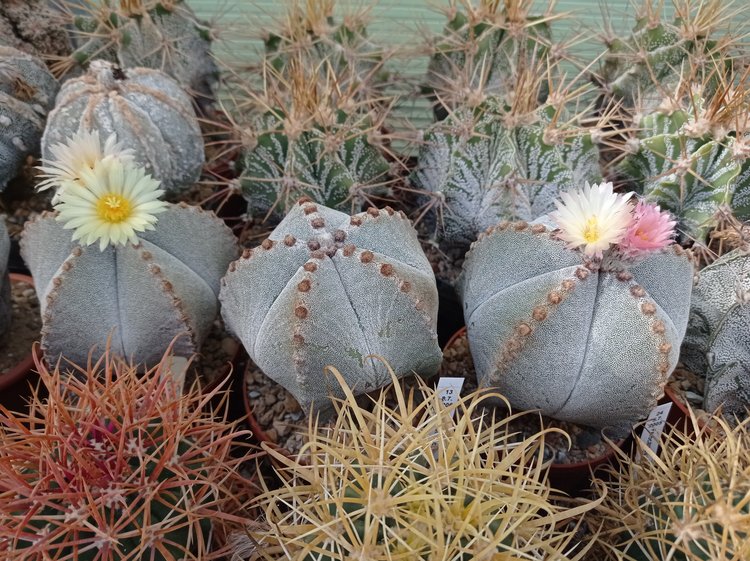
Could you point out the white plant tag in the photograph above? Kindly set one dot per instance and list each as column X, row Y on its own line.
column 654, row 426
column 449, row 390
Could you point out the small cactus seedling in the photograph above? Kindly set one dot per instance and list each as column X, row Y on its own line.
column 27, row 93
column 142, row 291
column 117, row 465
column 691, row 502
column 32, row 26
column 480, row 166
column 157, row 34
column 658, row 52
column 5, row 303
column 716, row 344
column 335, row 289
column 146, row 109
column 487, row 50
column 584, row 336
column 318, row 146
column 417, row 482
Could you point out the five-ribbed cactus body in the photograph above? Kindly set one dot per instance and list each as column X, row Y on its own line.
column 583, row 341
column 329, row 289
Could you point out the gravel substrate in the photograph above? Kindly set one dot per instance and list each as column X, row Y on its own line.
column 25, row 325
column 688, row 388
column 586, row 443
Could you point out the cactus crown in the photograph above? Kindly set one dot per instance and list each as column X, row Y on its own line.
column 116, row 464
column 419, row 481
column 689, row 503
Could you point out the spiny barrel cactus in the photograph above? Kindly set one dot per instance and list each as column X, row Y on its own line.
column 119, row 465
column 485, row 165
column 34, row 27
column 588, row 337
column 716, row 344
column 143, row 295
column 419, row 481
column 5, row 303
column 682, row 161
column 690, row 503
column 27, row 93
column 334, row 290
column 486, row 50
column 658, row 53
column 145, row 108
column 165, row 36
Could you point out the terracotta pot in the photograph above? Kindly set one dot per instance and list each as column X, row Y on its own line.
column 16, row 383
column 575, row 477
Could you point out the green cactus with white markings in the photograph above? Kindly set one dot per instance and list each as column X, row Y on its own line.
column 488, row 164
column 717, row 344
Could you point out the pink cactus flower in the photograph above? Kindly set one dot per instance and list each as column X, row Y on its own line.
column 651, row 229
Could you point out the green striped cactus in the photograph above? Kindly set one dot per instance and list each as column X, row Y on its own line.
column 717, row 343
column 485, row 166
column 689, row 167
column 334, row 164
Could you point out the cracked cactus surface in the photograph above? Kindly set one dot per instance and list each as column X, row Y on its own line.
column 329, row 289
column 5, row 301
column 684, row 164
column 333, row 162
column 484, row 51
column 582, row 341
column 717, row 343
column 32, row 26
column 145, row 108
column 27, row 93
column 162, row 35
column 142, row 295
column 484, row 168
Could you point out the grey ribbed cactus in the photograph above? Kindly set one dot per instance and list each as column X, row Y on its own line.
column 5, row 301
column 165, row 36
column 329, row 289
column 688, row 165
column 483, row 167
column 142, row 295
column 147, row 110
column 588, row 342
column 717, row 343
column 27, row 93
column 334, row 164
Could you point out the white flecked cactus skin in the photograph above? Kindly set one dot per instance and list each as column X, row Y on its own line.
column 148, row 111
column 27, row 93
column 579, row 341
column 717, row 343
column 329, row 289
column 5, row 301
column 142, row 295
column 486, row 171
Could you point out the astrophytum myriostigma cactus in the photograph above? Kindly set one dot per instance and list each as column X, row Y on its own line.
column 142, row 295
column 146, row 109
column 5, row 302
column 27, row 93
column 717, row 343
column 485, row 165
column 583, row 339
column 329, row 289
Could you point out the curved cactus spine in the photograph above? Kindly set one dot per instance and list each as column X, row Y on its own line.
column 27, row 93
column 486, row 165
column 336, row 289
column 164, row 36
column 146, row 109
column 612, row 331
column 716, row 344
column 142, row 295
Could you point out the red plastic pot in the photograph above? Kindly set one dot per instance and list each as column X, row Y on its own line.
column 575, row 477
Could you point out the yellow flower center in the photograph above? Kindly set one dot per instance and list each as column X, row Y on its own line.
column 591, row 231
column 114, row 208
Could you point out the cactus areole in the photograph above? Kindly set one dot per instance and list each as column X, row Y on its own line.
column 327, row 288
column 586, row 339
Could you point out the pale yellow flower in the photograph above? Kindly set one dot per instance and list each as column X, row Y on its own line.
column 593, row 218
column 110, row 203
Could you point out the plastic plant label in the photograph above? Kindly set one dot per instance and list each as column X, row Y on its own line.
column 654, row 426
column 449, row 390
